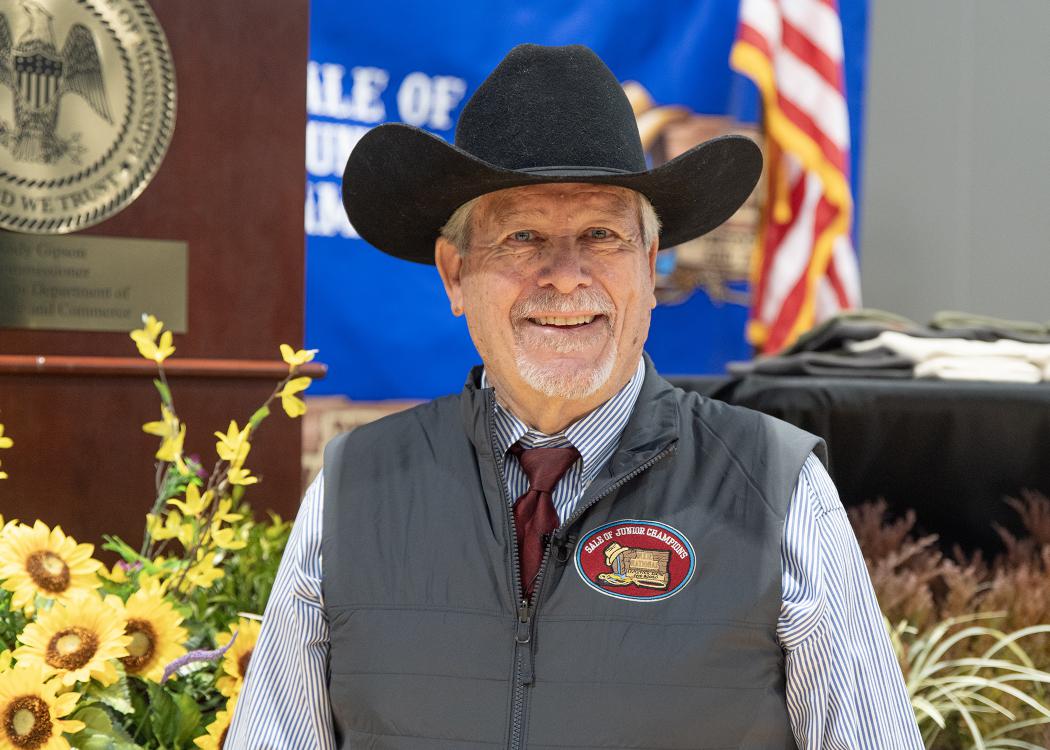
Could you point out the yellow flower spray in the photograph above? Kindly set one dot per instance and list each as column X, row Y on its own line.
column 193, row 508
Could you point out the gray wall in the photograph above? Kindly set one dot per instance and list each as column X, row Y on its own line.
column 956, row 189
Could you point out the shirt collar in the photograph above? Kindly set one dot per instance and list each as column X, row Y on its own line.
column 595, row 436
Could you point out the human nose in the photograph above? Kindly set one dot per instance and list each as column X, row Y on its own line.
column 565, row 266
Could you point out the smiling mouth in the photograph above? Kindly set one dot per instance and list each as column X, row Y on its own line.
column 564, row 321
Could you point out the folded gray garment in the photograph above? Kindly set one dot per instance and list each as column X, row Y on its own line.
column 852, row 325
column 879, row 363
column 985, row 328
column 834, row 334
column 953, row 320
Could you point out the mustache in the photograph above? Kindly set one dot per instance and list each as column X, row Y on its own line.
column 547, row 301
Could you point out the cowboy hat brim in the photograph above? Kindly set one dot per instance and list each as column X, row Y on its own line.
column 401, row 184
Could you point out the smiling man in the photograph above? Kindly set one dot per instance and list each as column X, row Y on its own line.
column 570, row 553
column 559, row 310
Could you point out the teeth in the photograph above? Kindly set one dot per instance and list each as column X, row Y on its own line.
column 578, row 320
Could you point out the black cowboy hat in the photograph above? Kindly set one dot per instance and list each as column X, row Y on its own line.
column 545, row 114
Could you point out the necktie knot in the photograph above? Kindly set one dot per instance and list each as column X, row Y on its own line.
column 544, row 466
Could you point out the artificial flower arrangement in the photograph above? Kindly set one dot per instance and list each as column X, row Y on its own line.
column 152, row 652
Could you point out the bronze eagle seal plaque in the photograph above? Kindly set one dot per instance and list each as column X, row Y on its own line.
column 89, row 87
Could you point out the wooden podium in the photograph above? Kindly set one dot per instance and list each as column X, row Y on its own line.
column 231, row 187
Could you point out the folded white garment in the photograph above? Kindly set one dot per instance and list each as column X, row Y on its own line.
column 921, row 349
column 999, row 369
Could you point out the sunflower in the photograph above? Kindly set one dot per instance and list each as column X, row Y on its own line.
column 235, row 660
column 216, row 736
column 31, row 710
column 78, row 640
column 154, row 627
column 45, row 562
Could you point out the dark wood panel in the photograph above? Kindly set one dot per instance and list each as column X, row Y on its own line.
column 231, row 185
column 81, row 460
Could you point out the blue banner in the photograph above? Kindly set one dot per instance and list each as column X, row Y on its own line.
column 383, row 325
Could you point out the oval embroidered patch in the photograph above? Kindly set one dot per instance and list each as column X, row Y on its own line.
column 642, row 561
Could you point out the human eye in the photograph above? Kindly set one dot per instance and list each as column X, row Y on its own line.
column 599, row 233
column 522, row 235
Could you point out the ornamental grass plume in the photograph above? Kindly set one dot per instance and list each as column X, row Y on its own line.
column 972, row 636
column 993, row 700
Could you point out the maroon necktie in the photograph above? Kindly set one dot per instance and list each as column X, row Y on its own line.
column 534, row 514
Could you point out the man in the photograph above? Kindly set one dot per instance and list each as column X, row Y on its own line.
column 570, row 553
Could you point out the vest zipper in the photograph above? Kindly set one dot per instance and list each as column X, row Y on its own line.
column 523, row 627
column 523, row 633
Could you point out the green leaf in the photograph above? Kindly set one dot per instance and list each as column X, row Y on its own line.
column 95, row 719
column 189, row 718
column 260, row 414
column 176, row 719
column 122, row 548
column 116, row 696
column 163, row 715
column 163, row 390
column 99, row 732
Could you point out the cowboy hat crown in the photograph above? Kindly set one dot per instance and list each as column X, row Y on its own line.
column 545, row 114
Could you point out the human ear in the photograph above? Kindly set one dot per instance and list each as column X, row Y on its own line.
column 449, row 264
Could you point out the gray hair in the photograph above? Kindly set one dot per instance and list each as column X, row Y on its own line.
column 457, row 228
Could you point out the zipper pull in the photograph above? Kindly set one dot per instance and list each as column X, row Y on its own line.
column 523, row 637
column 523, row 634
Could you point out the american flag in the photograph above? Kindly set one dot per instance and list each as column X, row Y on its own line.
column 804, row 269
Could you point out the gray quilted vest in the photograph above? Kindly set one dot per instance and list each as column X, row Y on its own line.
column 653, row 625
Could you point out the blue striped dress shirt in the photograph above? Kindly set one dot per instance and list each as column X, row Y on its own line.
column 844, row 687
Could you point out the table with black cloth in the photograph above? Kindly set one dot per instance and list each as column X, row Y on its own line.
column 950, row 450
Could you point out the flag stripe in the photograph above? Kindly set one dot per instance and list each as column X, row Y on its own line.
column 822, row 251
column 846, row 270
column 781, row 128
column 830, row 150
column 793, row 251
column 794, row 303
column 804, row 267
column 818, row 22
column 748, row 34
column 763, row 16
column 803, row 87
column 806, row 49
column 773, row 234
column 835, row 283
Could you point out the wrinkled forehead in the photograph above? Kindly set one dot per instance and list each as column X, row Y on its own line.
column 555, row 200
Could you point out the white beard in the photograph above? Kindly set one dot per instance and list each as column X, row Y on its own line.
column 569, row 382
